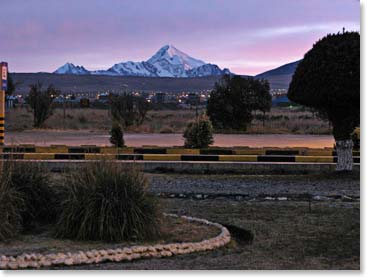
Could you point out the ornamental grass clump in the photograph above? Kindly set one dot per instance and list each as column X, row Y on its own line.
column 33, row 184
column 105, row 202
column 27, row 199
column 11, row 205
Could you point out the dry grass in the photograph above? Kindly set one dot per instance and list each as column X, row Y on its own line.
column 286, row 234
column 173, row 230
column 281, row 121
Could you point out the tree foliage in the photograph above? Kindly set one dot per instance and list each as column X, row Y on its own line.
column 41, row 102
column 11, row 86
column 199, row 133
column 128, row 109
column 328, row 81
column 233, row 100
column 117, row 136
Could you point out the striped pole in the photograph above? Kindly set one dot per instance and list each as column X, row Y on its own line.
column 4, row 79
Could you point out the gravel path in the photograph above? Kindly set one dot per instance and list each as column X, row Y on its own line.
column 253, row 186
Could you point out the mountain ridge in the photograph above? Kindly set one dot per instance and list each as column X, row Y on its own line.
column 277, row 77
column 168, row 61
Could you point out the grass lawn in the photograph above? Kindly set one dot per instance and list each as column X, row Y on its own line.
column 287, row 235
column 173, row 230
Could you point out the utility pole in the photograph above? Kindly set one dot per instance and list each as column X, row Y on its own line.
column 4, row 84
column 64, row 110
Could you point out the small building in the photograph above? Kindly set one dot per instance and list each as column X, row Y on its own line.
column 160, row 98
column 10, row 101
column 193, row 99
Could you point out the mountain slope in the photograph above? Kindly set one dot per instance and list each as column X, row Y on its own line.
column 280, row 77
column 132, row 69
column 71, row 83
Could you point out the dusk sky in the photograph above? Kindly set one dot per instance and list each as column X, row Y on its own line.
column 246, row 36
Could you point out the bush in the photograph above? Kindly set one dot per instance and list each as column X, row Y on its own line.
column 11, row 204
column 199, row 134
column 32, row 184
column 105, row 202
column 117, row 136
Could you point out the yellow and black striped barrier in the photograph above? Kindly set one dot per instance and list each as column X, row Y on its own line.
column 2, row 128
column 3, row 88
column 92, row 149
column 173, row 157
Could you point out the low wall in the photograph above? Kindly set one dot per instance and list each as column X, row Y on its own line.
column 204, row 167
column 63, row 149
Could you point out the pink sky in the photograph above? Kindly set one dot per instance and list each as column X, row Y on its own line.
column 246, row 36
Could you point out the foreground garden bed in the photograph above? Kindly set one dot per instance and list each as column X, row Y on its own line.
column 180, row 235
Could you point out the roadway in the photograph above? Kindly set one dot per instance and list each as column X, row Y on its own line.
column 77, row 137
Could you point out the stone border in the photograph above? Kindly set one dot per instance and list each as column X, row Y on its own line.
column 36, row 260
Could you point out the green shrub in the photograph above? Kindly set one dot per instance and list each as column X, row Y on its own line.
column 117, row 136
column 199, row 134
column 105, row 202
column 33, row 184
column 11, row 205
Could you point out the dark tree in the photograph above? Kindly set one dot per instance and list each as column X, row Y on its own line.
column 41, row 103
column 11, row 85
column 233, row 100
column 117, row 136
column 327, row 80
column 128, row 109
column 263, row 99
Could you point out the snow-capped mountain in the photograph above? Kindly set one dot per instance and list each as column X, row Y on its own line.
column 167, row 62
column 70, row 68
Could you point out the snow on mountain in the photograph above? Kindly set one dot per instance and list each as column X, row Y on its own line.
column 133, row 69
column 167, row 62
column 207, row 70
column 70, row 68
column 171, row 62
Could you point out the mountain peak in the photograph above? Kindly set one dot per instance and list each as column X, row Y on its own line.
column 169, row 59
column 70, row 68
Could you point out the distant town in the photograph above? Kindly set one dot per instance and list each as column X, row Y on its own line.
column 181, row 100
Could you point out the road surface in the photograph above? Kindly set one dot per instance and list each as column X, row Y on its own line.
column 75, row 138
